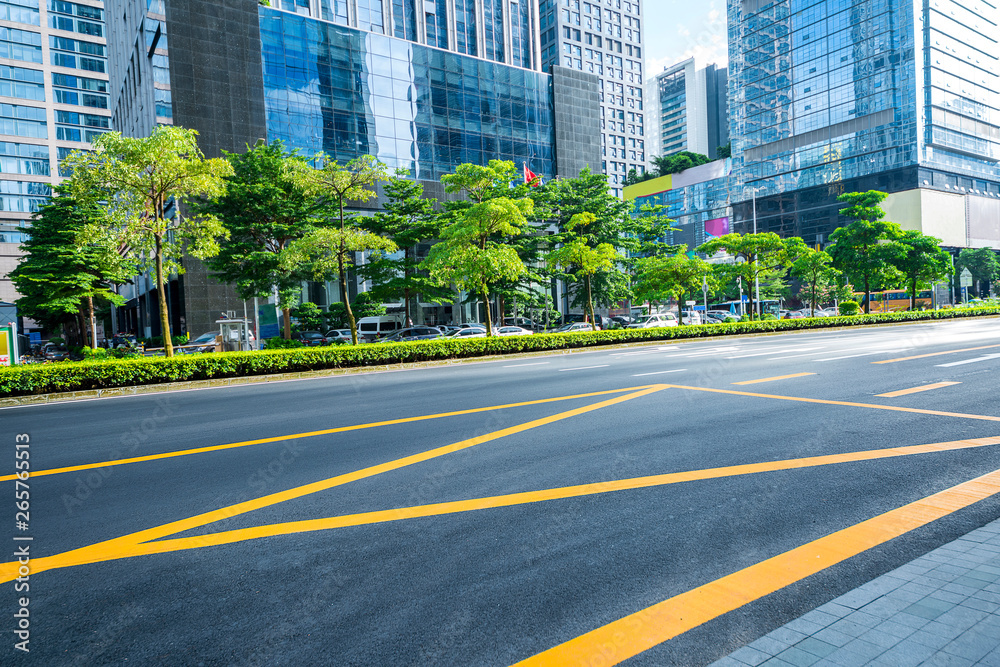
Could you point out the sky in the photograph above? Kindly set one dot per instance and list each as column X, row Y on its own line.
column 676, row 30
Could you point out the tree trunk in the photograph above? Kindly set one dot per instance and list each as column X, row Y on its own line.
column 161, row 293
column 590, row 304
column 868, row 297
column 812, row 302
column 81, row 336
column 407, row 272
column 341, row 270
column 489, row 316
column 750, row 293
column 93, row 322
column 286, row 315
column 913, row 294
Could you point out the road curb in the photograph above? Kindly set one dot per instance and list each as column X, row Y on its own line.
column 189, row 385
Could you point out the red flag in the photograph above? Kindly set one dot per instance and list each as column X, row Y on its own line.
column 531, row 177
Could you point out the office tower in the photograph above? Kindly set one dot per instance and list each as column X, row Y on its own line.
column 604, row 37
column 423, row 86
column 687, row 110
column 53, row 100
column 892, row 95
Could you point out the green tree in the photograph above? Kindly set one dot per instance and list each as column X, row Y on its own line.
column 310, row 317
column 472, row 253
column 763, row 254
column 678, row 162
column 328, row 248
column 922, row 261
column 814, row 268
column 723, row 152
column 582, row 261
column 982, row 264
column 408, row 219
column 660, row 278
column 60, row 272
column 133, row 183
column 866, row 248
column 613, row 224
column 264, row 210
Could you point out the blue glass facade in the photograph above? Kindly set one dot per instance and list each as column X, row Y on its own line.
column 697, row 200
column 349, row 93
column 829, row 97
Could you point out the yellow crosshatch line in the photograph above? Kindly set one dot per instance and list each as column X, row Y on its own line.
column 779, row 377
column 131, row 549
column 122, row 547
column 311, row 434
column 916, row 390
column 620, row 640
column 934, row 354
column 823, row 401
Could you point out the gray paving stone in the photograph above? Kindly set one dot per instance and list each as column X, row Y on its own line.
column 821, row 617
column 895, row 628
column 986, row 595
column 865, row 648
column 940, row 659
column 992, row 659
column 769, row 645
column 915, row 622
column 728, row 661
column 809, row 628
column 947, row 596
column 834, row 637
column 834, row 609
column 885, row 607
column 798, row 657
column 921, row 588
column 818, row 648
column 923, row 610
column 981, row 605
column 957, row 588
column 845, row 658
column 905, row 654
column 787, row 636
column 776, row 662
column 972, row 646
column 879, row 638
column 750, row 656
column 961, row 617
column 906, row 595
column 971, row 582
column 935, row 641
column 864, row 618
column 850, row 628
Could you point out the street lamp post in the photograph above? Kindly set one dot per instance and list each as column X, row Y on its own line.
column 756, row 278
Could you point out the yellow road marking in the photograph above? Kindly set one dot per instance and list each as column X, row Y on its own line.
column 309, row 434
column 779, row 377
column 528, row 497
column 125, row 546
column 934, row 354
column 916, row 390
column 845, row 403
column 622, row 639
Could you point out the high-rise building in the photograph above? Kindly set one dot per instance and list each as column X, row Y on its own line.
column 424, row 86
column 894, row 95
column 604, row 38
column 687, row 110
column 53, row 100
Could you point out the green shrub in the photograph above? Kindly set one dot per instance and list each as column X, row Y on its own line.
column 279, row 343
column 89, row 353
column 848, row 308
column 98, row 374
column 157, row 341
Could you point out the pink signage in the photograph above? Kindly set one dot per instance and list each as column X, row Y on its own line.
column 717, row 227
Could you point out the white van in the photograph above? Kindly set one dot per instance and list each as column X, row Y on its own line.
column 379, row 326
column 655, row 320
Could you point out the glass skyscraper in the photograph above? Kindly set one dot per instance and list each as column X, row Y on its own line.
column 54, row 98
column 687, row 110
column 895, row 95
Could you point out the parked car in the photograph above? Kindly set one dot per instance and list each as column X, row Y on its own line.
column 447, row 329
column 378, row 326
column 692, row 317
column 573, row 327
column 204, row 343
column 652, row 321
column 54, row 352
column 469, row 332
column 522, row 322
column 514, row 331
column 790, row 315
column 622, row 320
column 311, row 338
column 342, row 335
column 600, row 320
column 412, row 333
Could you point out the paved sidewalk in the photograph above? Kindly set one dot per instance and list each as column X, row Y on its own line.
column 940, row 609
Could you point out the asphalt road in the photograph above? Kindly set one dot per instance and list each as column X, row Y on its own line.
column 507, row 508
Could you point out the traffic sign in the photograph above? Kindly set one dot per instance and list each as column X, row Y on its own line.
column 966, row 277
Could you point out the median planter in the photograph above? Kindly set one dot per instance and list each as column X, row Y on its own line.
column 111, row 373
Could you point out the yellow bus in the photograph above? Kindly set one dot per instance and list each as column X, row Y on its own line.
column 892, row 300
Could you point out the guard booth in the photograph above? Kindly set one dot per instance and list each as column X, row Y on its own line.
column 8, row 345
column 234, row 335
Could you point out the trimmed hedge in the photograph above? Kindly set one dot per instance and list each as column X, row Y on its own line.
column 75, row 376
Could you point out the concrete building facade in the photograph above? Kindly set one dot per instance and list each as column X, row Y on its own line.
column 53, row 100
column 688, row 110
column 604, row 38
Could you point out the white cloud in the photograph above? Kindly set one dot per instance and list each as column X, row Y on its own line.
column 707, row 42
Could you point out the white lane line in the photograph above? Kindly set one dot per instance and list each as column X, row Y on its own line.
column 538, row 363
column 851, row 356
column 761, row 354
column 583, row 368
column 969, row 361
column 676, row 370
column 795, row 356
column 633, row 354
column 708, row 353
